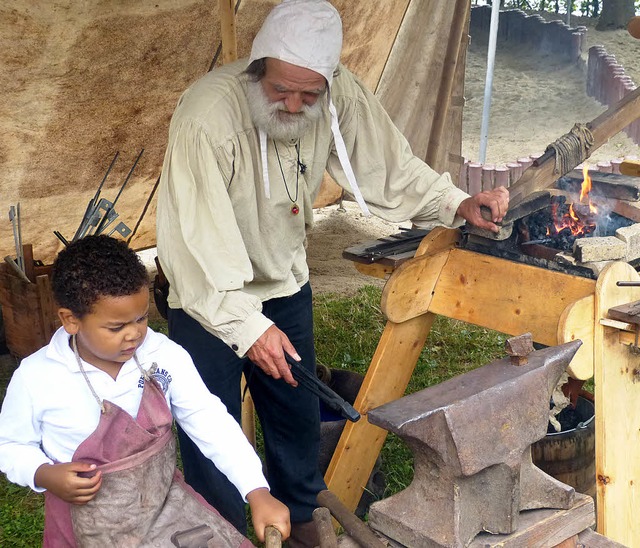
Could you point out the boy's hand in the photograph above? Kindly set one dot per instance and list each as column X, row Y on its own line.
column 267, row 510
column 63, row 481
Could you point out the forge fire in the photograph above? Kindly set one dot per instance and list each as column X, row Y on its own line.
column 559, row 225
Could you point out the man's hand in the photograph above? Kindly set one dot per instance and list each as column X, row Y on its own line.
column 497, row 200
column 267, row 510
column 63, row 481
column 268, row 354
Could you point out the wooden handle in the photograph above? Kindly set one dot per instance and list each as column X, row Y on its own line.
column 272, row 537
column 326, row 535
column 354, row 527
column 630, row 167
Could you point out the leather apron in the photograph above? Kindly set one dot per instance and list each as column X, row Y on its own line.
column 143, row 499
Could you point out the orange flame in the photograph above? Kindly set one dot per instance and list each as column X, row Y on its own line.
column 586, row 184
column 572, row 220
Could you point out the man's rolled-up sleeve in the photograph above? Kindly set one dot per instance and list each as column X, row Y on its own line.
column 200, row 246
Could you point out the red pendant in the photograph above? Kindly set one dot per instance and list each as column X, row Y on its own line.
column 295, row 209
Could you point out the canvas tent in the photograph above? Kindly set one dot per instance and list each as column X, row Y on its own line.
column 82, row 80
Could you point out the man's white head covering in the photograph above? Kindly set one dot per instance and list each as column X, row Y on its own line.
column 308, row 34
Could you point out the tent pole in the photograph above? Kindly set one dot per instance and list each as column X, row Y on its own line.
column 491, row 55
column 230, row 54
column 228, row 31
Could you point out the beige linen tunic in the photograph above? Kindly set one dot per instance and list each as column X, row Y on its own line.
column 223, row 245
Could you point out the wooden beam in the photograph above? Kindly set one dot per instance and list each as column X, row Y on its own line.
column 228, row 31
column 468, row 288
column 387, row 379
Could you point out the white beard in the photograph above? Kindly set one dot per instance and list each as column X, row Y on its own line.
column 275, row 120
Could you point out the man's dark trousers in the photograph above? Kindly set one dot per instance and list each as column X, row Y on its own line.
column 289, row 417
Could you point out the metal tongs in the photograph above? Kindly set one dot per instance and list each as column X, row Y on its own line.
column 314, row 385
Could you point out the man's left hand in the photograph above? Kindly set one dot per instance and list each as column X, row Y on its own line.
column 497, row 200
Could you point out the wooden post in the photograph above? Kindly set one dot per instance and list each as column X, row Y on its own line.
column 617, row 402
column 387, row 378
column 228, row 31
column 248, row 415
column 230, row 54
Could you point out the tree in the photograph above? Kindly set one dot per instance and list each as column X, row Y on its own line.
column 615, row 14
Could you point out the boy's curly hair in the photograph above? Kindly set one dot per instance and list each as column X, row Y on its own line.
column 94, row 267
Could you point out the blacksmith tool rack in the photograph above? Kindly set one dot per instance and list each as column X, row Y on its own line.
column 512, row 298
column 100, row 213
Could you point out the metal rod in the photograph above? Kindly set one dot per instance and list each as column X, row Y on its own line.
column 21, row 253
column 313, row 384
column 14, row 266
column 102, row 223
column 14, row 226
column 61, row 238
column 532, row 242
column 628, row 284
column 92, row 203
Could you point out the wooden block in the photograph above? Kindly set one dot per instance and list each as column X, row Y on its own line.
column 630, row 167
column 590, row 539
column 629, row 312
column 467, row 290
column 47, row 307
column 543, row 528
column 27, row 256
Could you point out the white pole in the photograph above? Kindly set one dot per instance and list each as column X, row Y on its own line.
column 488, row 84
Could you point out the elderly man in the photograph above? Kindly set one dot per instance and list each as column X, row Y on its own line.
column 248, row 146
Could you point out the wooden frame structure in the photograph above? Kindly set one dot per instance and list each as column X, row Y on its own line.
column 511, row 298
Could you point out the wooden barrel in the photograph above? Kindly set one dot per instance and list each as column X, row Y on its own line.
column 570, row 455
column 29, row 313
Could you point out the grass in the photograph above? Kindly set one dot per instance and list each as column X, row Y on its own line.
column 347, row 333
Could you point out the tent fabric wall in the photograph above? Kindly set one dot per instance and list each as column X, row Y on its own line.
column 83, row 80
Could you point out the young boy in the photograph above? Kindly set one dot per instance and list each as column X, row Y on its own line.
column 87, row 419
